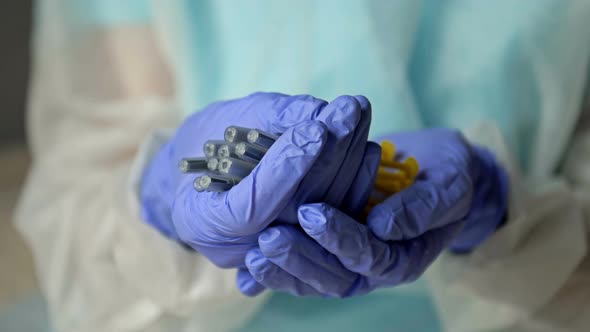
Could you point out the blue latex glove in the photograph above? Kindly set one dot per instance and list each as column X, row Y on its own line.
column 334, row 255
column 304, row 165
column 446, row 157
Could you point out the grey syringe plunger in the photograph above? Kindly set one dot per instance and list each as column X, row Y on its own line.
column 261, row 138
column 235, row 134
column 191, row 165
column 212, row 164
column 214, row 182
column 249, row 152
column 235, row 167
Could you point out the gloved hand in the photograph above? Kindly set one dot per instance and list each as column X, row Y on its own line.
column 334, row 255
column 470, row 163
column 304, row 165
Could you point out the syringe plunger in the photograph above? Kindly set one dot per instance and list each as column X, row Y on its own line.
column 249, row 152
column 234, row 134
column 261, row 138
column 213, row 182
column 235, row 167
column 191, row 165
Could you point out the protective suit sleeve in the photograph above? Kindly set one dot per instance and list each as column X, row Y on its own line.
column 522, row 270
column 532, row 274
column 97, row 93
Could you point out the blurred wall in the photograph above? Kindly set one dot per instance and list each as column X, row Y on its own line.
column 15, row 27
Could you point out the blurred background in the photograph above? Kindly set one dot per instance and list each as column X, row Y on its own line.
column 21, row 307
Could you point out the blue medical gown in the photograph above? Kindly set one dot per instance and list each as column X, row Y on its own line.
column 421, row 63
column 515, row 64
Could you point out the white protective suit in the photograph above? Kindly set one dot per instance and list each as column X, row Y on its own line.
column 100, row 91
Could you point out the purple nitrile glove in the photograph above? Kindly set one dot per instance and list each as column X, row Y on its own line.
column 304, row 165
column 458, row 199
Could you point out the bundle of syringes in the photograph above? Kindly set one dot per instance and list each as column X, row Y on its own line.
column 228, row 161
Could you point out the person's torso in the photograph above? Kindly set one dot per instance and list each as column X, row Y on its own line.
column 420, row 64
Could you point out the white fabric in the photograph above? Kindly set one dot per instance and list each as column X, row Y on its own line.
column 100, row 266
column 533, row 274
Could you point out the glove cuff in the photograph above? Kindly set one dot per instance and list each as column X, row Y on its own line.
column 489, row 203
